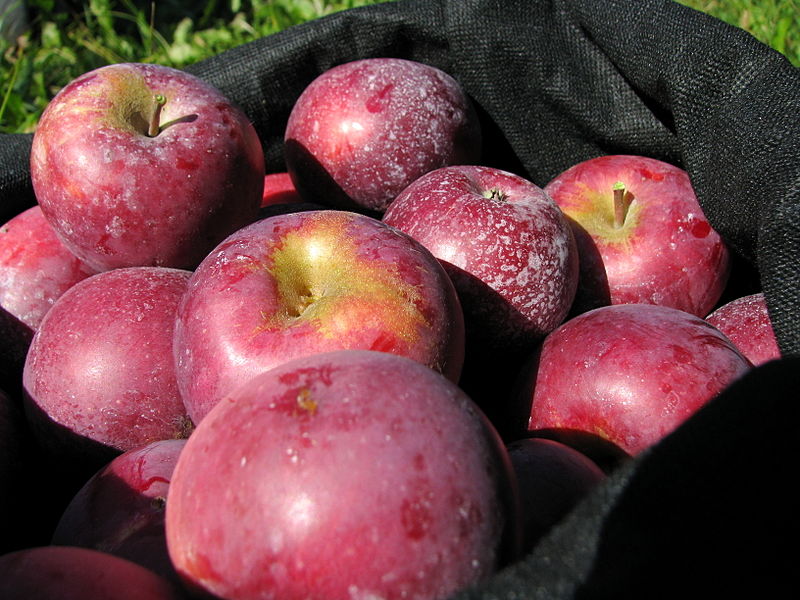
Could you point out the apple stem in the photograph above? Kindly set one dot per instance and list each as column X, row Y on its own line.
column 155, row 126
column 622, row 201
column 494, row 194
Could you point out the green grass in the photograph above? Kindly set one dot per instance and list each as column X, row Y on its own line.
column 76, row 36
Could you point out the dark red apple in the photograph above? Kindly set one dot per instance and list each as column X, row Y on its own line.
column 362, row 131
column 307, row 282
column 642, row 235
column 505, row 243
column 552, row 478
column 71, row 573
column 348, row 474
column 99, row 378
column 628, row 374
column 120, row 509
column 747, row 324
column 145, row 165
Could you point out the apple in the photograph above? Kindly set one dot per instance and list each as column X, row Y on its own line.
column 362, row 131
column 506, row 245
column 71, row 573
column 279, row 189
column 99, row 377
column 552, row 478
column 306, row 282
column 628, row 374
column 345, row 474
column 746, row 322
column 35, row 267
column 642, row 235
column 145, row 165
column 120, row 509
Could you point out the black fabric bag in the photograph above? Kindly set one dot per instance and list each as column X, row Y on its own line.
column 709, row 511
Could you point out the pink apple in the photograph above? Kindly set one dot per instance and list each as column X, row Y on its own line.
column 99, row 378
column 35, row 267
column 628, row 374
column 145, row 165
column 279, row 189
column 647, row 241
column 552, row 478
column 120, row 509
column 348, row 474
column 747, row 324
column 505, row 244
column 362, row 131
column 301, row 283
column 70, row 573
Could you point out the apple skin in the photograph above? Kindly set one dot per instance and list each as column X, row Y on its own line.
column 120, row 509
column 666, row 252
column 279, row 189
column 364, row 130
column 512, row 258
column 628, row 374
column 35, row 267
column 345, row 474
column 746, row 322
column 71, row 573
column 99, row 377
column 118, row 197
column 552, row 478
column 306, row 282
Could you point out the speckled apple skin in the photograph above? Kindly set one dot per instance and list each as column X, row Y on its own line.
column 300, row 283
column 628, row 373
column 513, row 259
column 120, row 509
column 364, row 130
column 345, row 475
column 666, row 253
column 118, row 197
column 35, row 267
column 99, row 377
column 747, row 324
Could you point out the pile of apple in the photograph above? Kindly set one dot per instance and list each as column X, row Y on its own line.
column 384, row 373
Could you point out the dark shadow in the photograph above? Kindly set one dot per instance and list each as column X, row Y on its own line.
column 313, row 182
column 593, row 289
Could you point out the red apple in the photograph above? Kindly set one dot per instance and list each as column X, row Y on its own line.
column 505, row 244
column 120, row 509
column 362, row 131
column 348, row 474
column 552, row 478
column 642, row 235
column 145, row 165
column 629, row 374
column 279, row 189
column 35, row 267
column 70, row 573
column 307, row 282
column 747, row 324
column 99, row 378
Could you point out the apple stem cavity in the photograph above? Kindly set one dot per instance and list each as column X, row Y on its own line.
column 622, row 201
column 495, row 194
column 155, row 125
